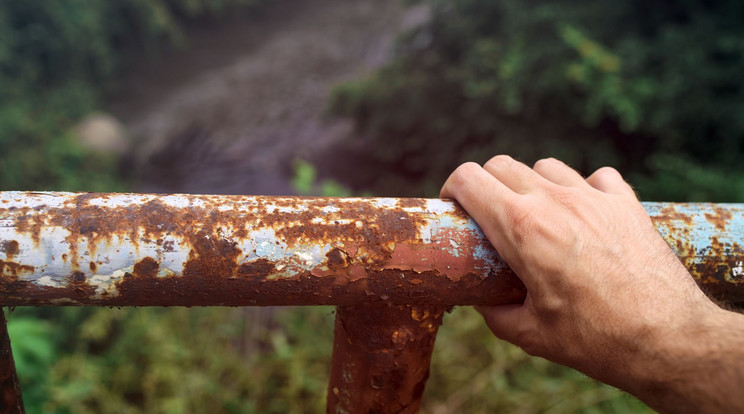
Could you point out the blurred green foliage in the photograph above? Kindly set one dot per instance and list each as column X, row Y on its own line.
column 225, row 360
column 305, row 182
column 34, row 353
column 474, row 372
column 192, row 361
column 653, row 89
column 172, row 360
column 56, row 60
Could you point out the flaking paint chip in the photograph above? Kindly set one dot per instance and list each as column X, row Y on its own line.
column 738, row 270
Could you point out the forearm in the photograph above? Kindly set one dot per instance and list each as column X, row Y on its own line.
column 698, row 369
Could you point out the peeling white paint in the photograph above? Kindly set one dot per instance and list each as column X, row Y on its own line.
column 439, row 206
column 330, row 209
column 106, row 284
column 738, row 270
column 385, row 202
column 49, row 281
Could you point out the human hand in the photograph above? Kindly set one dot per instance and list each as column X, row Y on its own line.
column 606, row 295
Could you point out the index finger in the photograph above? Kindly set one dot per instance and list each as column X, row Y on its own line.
column 482, row 196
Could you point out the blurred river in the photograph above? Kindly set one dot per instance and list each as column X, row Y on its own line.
column 230, row 112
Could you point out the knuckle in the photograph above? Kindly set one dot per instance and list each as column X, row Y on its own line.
column 545, row 162
column 464, row 172
column 549, row 308
column 469, row 166
column 608, row 173
column 460, row 178
column 499, row 160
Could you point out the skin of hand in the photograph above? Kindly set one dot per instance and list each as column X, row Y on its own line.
column 606, row 294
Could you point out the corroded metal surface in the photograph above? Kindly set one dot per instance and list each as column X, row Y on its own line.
column 10, row 391
column 135, row 249
column 708, row 239
column 139, row 249
column 381, row 356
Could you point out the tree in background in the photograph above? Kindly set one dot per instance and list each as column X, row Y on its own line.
column 651, row 88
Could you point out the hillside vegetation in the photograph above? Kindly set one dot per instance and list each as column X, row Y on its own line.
column 653, row 89
column 57, row 59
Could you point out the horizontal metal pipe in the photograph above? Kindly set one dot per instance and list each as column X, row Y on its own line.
column 194, row 250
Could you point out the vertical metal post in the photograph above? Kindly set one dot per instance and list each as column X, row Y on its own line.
column 10, row 392
column 381, row 356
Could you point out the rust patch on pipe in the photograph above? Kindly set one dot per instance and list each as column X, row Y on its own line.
column 719, row 218
column 381, row 356
column 10, row 248
column 259, row 269
column 365, row 261
column 721, row 279
column 337, row 259
column 359, row 250
column 670, row 213
column 13, row 269
column 716, row 265
column 146, row 267
column 78, row 283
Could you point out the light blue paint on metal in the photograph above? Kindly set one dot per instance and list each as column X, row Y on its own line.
column 699, row 218
column 699, row 224
column 708, row 238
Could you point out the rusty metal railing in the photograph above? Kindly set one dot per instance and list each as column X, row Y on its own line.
column 392, row 266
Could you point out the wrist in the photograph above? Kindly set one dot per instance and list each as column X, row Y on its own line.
column 692, row 367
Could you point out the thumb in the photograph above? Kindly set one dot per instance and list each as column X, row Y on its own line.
column 507, row 322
